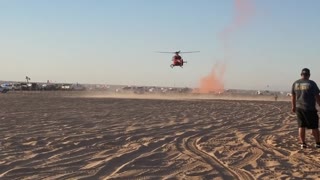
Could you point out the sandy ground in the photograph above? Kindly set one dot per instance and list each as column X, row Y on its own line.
column 45, row 136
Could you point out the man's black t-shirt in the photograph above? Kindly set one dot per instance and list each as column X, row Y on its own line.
column 305, row 91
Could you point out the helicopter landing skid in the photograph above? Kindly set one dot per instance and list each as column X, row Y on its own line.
column 172, row 66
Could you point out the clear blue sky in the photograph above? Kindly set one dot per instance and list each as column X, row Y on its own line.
column 114, row 41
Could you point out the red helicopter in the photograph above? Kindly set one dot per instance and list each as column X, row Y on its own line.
column 177, row 59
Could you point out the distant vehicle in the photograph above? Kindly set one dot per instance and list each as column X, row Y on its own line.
column 259, row 93
column 177, row 59
column 25, row 86
column 8, row 86
column 3, row 90
column 66, row 86
column 16, row 87
column 49, row 87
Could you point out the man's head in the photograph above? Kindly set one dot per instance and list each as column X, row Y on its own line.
column 305, row 73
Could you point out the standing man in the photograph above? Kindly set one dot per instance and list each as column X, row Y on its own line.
column 305, row 94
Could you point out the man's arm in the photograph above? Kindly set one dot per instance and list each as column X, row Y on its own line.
column 293, row 98
column 293, row 102
column 316, row 92
column 318, row 99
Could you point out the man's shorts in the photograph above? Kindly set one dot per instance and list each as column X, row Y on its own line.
column 307, row 119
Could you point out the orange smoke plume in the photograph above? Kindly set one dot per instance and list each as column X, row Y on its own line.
column 244, row 10
column 214, row 82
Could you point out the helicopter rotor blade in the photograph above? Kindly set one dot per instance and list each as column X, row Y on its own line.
column 167, row 52
column 190, row 52
column 179, row 52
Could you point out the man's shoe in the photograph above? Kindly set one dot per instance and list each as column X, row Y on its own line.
column 304, row 146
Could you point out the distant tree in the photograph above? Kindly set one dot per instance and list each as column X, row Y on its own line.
column 28, row 79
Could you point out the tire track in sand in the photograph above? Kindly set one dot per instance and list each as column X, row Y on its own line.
column 225, row 171
column 115, row 164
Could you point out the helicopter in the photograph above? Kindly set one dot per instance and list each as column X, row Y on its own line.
column 177, row 59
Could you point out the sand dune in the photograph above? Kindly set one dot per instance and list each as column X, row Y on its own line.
column 56, row 137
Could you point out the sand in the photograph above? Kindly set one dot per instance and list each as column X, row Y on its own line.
column 50, row 136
